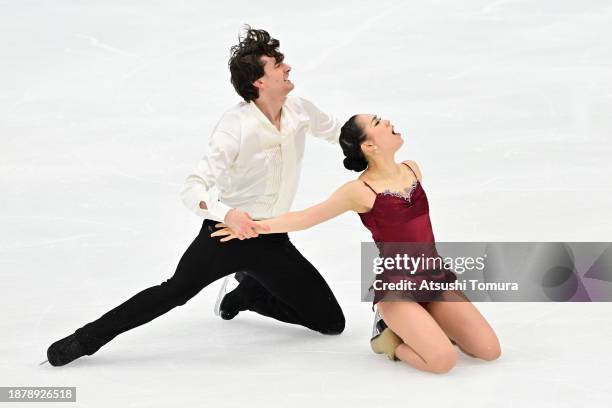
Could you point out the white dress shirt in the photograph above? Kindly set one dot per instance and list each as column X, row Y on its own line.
column 251, row 165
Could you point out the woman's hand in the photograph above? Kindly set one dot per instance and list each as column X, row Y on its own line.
column 229, row 234
column 226, row 232
column 240, row 222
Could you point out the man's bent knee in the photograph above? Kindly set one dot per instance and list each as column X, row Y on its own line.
column 335, row 326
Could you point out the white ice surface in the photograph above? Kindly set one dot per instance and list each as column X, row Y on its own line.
column 106, row 107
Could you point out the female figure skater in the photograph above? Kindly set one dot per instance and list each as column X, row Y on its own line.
column 392, row 204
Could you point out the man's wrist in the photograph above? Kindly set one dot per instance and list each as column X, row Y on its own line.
column 219, row 210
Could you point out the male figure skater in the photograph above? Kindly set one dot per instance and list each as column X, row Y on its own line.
column 250, row 173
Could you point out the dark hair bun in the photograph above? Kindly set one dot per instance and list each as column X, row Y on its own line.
column 355, row 164
column 351, row 138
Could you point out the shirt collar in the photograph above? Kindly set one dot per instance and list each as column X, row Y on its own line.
column 263, row 118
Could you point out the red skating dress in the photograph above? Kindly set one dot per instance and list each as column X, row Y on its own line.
column 396, row 218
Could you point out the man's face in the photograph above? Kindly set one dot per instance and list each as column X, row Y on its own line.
column 275, row 81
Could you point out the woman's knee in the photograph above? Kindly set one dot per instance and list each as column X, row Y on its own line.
column 443, row 361
column 489, row 352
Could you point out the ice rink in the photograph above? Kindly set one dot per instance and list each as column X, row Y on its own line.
column 106, row 107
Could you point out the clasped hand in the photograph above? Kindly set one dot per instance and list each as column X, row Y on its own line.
column 229, row 233
column 238, row 224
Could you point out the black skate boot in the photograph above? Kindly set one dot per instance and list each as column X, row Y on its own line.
column 65, row 351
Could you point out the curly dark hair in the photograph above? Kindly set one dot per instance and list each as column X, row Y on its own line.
column 245, row 64
column 351, row 137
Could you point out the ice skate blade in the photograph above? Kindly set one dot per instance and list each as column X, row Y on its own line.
column 46, row 361
column 221, row 295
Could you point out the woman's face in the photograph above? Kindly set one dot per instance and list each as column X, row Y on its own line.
column 380, row 133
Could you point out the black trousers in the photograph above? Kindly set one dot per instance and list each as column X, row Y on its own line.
column 291, row 289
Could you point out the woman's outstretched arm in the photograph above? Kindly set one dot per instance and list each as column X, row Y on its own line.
column 346, row 198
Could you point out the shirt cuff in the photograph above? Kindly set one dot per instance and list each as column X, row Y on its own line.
column 218, row 210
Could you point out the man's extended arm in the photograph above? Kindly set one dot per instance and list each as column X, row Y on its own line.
column 322, row 125
column 200, row 193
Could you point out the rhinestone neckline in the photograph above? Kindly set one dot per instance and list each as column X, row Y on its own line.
column 406, row 195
